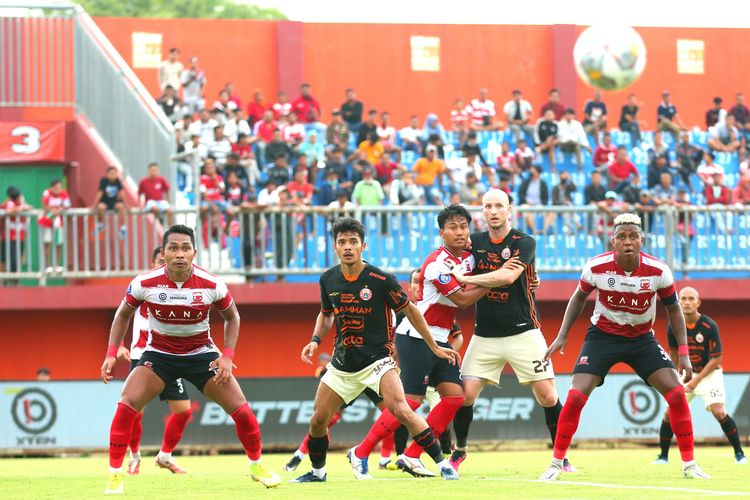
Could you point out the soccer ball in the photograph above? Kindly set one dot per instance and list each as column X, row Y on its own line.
column 609, row 58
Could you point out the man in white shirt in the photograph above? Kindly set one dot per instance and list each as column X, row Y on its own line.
column 204, row 127
column 410, row 135
column 193, row 82
column 518, row 114
column 572, row 137
column 170, row 71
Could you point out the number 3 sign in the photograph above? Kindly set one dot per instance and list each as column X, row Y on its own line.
column 32, row 141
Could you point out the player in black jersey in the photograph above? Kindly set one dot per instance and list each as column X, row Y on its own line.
column 361, row 299
column 704, row 345
column 507, row 326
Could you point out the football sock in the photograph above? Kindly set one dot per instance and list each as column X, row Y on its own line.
column 248, row 431
column 438, row 419
column 400, row 437
column 461, row 423
column 551, row 416
column 384, row 425
column 445, row 441
column 303, row 445
column 665, row 438
column 119, row 434
column 135, row 434
column 730, row 430
column 427, row 441
column 682, row 424
column 174, row 430
column 318, row 448
column 568, row 422
column 386, row 446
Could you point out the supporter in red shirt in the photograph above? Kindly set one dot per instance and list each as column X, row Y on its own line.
column 263, row 134
column 212, row 191
column 153, row 192
column 229, row 87
column 605, row 152
column 300, row 189
column 257, row 108
column 384, row 169
column 12, row 227
column 553, row 104
column 621, row 170
column 305, row 105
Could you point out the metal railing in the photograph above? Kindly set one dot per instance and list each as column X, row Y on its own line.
column 289, row 241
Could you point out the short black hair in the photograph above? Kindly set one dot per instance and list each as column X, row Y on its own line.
column 415, row 270
column 155, row 253
column 553, row 89
column 570, row 111
column 348, row 225
column 178, row 229
column 43, row 371
column 13, row 192
column 110, row 168
column 450, row 212
column 55, row 182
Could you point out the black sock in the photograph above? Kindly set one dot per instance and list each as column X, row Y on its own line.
column 317, row 449
column 445, row 441
column 461, row 423
column 400, row 437
column 730, row 429
column 665, row 438
column 426, row 439
column 551, row 415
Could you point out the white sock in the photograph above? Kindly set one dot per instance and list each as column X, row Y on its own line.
column 685, row 465
column 163, row 456
column 135, row 456
column 319, row 472
column 253, row 462
column 299, row 455
column 558, row 462
column 115, row 470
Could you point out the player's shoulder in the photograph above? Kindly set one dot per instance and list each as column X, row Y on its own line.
column 708, row 322
column 653, row 265
column 480, row 239
column 601, row 263
column 516, row 236
column 330, row 272
column 375, row 274
column 205, row 278
column 153, row 277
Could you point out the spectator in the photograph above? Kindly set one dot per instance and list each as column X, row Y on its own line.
column 55, row 200
column 368, row 192
column 459, row 168
column 471, row 191
column 667, row 117
column 715, row 114
column 688, row 158
column 595, row 115
column 611, row 207
column 293, row 132
column 605, row 153
column 110, row 197
column 300, row 189
column 329, row 187
column 351, row 111
column 410, row 135
column 740, row 112
column 658, row 147
column 183, row 124
column 368, row 127
column 562, row 196
column 256, row 109
column 545, row 136
column 342, row 205
column 471, row 148
column 224, row 104
column 212, row 191
column 534, row 192
column 283, row 225
column 645, row 208
column 195, row 144
column 172, row 106
column 553, row 104
column 269, row 195
column 629, row 121
column 170, row 70
column 621, row 170
column 506, row 161
column 631, row 194
column 236, row 125
column 429, row 169
column 741, row 194
column 482, row 111
column 219, row 147
column 685, row 229
column 709, row 168
column 279, row 172
column 595, row 191
column 237, row 198
column 518, row 115
column 524, row 156
column 459, row 116
column 233, row 166
column 371, row 149
column 724, row 136
column 664, row 193
column 306, row 107
column 719, row 195
column 229, row 87
column 153, row 192
column 43, row 374
column 384, row 170
column 263, row 133
column 432, row 127
column 193, row 82
column 404, row 191
column 204, row 126
column 386, row 132
column 657, row 166
column 336, row 162
column 337, row 133
column 313, row 150
column 13, row 235
column 282, row 107
column 572, row 136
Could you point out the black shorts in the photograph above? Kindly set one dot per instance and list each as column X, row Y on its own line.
column 420, row 367
column 600, row 351
column 169, row 368
column 174, row 391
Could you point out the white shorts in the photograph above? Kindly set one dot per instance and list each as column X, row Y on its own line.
column 162, row 205
column 431, row 397
column 710, row 389
column 349, row 385
column 486, row 357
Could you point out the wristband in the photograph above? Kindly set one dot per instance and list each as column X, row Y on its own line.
column 316, row 339
column 683, row 350
column 227, row 352
column 111, row 351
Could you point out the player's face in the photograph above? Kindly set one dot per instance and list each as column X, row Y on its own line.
column 627, row 240
column 349, row 248
column 178, row 253
column 496, row 210
column 689, row 302
column 454, row 233
column 414, row 285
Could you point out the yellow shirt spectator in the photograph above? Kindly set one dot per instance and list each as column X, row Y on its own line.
column 427, row 168
column 372, row 151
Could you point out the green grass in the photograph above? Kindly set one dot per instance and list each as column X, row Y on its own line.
column 508, row 474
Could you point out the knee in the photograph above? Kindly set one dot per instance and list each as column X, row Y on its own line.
column 718, row 412
column 547, row 399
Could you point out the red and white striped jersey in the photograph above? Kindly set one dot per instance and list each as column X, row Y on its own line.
column 140, row 332
column 178, row 313
column 625, row 302
column 479, row 109
column 435, row 285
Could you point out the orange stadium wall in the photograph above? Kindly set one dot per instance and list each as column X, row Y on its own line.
column 375, row 59
column 71, row 342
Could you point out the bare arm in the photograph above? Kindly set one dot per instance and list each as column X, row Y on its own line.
column 504, row 276
column 323, row 324
column 417, row 321
column 712, row 365
column 116, row 333
column 465, row 298
column 677, row 324
column 574, row 309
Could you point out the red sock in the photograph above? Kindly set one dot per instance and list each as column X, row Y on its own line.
column 248, row 430
column 136, row 433
column 568, row 422
column 387, row 445
column 384, row 425
column 303, row 445
column 119, row 434
column 438, row 419
column 174, row 430
column 682, row 423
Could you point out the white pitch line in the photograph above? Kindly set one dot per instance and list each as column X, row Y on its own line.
column 624, row 486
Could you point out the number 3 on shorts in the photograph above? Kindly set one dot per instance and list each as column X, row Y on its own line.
column 540, row 366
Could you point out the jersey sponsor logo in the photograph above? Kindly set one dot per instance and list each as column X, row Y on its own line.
column 353, row 340
column 197, row 297
column 639, row 403
column 621, row 303
column 495, row 296
column 645, row 284
column 377, row 276
column 176, row 315
column 333, row 294
column 479, row 250
column 352, row 309
column 699, row 337
column 396, row 296
column 505, row 254
column 515, row 237
column 365, row 294
column 444, row 278
column 584, row 360
column 350, row 323
column 348, row 298
column 130, row 289
column 162, row 296
column 481, row 265
column 611, row 281
column 493, row 257
column 162, row 286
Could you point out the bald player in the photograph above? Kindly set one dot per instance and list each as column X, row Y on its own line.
column 507, row 327
column 704, row 344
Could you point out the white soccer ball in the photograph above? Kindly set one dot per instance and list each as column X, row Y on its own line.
column 609, row 58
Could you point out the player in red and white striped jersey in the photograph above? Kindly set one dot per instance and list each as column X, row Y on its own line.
column 627, row 282
column 179, row 296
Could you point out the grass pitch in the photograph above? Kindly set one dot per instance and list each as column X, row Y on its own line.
column 611, row 473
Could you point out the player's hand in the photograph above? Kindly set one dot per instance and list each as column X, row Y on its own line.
column 107, row 366
column 559, row 344
column 452, row 356
column 457, row 271
column 222, row 368
column 123, row 354
column 534, row 283
column 685, row 369
column 690, row 386
column 308, row 351
column 513, row 264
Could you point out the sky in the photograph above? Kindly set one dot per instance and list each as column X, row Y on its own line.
column 686, row 13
